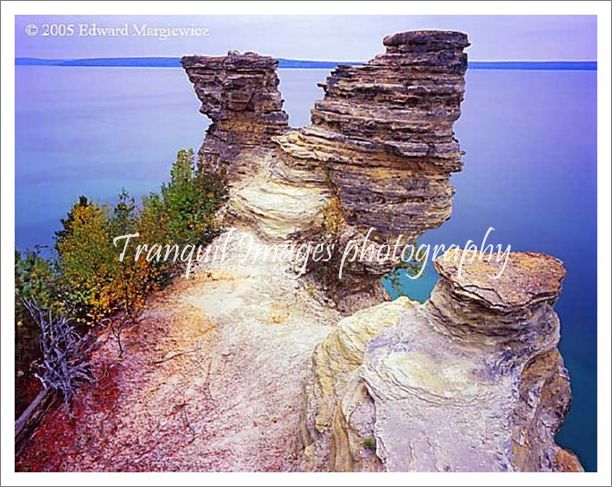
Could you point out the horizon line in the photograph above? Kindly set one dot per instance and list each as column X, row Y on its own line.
column 297, row 59
column 285, row 63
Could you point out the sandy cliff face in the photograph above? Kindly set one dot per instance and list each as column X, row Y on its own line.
column 381, row 140
column 471, row 380
column 247, row 367
column 239, row 93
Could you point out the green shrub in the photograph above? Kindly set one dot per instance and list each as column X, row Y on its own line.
column 184, row 210
column 370, row 443
column 133, row 280
column 35, row 278
column 190, row 201
column 87, row 262
column 87, row 282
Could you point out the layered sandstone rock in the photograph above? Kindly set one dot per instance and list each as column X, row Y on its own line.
column 381, row 140
column 239, row 93
column 471, row 380
column 382, row 137
column 274, row 209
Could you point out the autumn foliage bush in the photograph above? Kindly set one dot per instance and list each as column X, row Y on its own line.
column 97, row 282
column 86, row 281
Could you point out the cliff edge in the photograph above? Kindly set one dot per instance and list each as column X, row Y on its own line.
column 470, row 380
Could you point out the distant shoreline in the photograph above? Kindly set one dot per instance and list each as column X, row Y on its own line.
column 174, row 62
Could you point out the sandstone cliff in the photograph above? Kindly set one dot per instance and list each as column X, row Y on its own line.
column 382, row 137
column 471, row 380
column 247, row 367
column 381, row 140
column 239, row 93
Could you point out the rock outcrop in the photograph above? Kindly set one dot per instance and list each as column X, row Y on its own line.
column 239, row 93
column 471, row 380
column 382, row 137
column 381, row 140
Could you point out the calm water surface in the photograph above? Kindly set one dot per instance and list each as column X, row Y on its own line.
column 530, row 172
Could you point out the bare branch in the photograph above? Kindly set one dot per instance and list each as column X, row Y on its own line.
column 64, row 366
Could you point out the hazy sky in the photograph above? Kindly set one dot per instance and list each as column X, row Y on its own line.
column 345, row 38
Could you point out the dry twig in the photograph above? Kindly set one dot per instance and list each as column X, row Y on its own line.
column 64, row 365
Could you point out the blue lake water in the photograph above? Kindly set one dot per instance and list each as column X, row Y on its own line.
column 530, row 172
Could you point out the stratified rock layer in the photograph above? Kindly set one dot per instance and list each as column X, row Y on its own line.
column 471, row 380
column 239, row 93
column 274, row 209
column 382, row 137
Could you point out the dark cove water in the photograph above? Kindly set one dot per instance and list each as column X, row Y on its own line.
column 530, row 172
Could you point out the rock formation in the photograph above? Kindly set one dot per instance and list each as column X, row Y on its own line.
column 471, row 380
column 382, row 136
column 381, row 140
column 239, row 93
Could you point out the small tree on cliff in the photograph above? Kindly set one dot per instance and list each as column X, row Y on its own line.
column 87, row 262
column 190, row 200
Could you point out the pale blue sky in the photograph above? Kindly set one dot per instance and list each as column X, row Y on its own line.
column 319, row 37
